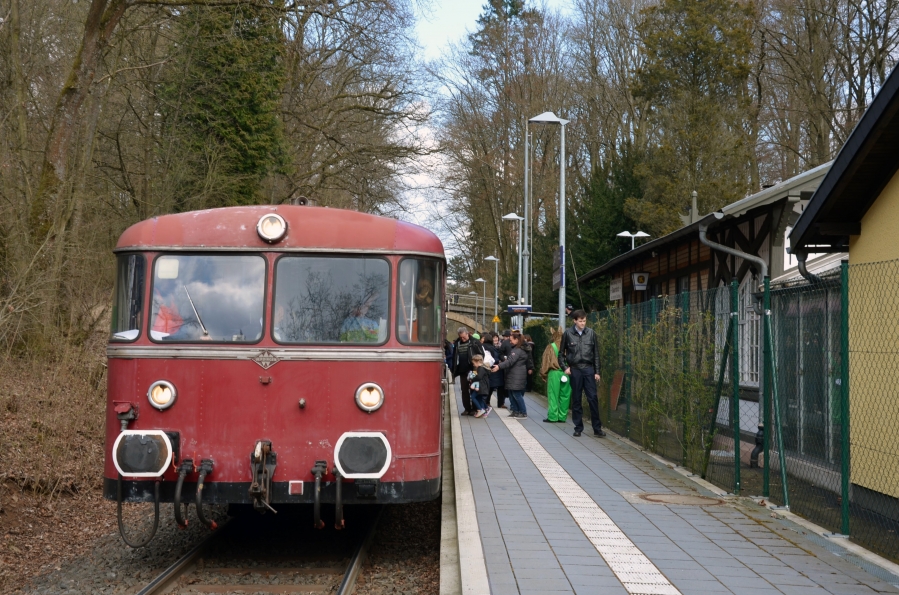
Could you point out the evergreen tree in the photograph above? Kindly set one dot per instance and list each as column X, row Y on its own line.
column 694, row 79
column 223, row 97
column 600, row 218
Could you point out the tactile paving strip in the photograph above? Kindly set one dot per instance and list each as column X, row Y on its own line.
column 635, row 571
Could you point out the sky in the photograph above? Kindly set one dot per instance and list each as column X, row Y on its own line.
column 447, row 21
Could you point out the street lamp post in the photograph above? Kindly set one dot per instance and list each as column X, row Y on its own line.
column 632, row 236
column 515, row 217
column 551, row 118
column 484, row 302
column 495, row 290
column 475, row 294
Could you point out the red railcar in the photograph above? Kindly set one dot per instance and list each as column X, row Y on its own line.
column 276, row 355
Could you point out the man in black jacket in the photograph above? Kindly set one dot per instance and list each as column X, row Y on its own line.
column 579, row 357
column 465, row 348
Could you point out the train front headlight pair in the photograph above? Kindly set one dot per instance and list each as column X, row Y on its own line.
column 162, row 395
column 369, row 397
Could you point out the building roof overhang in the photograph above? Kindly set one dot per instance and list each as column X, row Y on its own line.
column 793, row 187
column 865, row 164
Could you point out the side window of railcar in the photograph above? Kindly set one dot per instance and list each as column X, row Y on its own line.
column 321, row 299
column 419, row 301
column 127, row 310
column 198, row 297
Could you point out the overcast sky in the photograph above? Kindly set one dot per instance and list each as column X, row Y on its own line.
column 450, row 20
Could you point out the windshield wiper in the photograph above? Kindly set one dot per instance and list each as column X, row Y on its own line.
column 197, row 314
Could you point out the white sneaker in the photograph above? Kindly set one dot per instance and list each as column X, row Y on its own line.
column 480, row 413
column 488, row 410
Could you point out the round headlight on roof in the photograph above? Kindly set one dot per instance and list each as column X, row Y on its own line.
column 162, row 394
column 369, row 397
column 272, row 228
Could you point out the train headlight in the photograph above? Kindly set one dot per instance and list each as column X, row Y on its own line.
column 369, row 397
column 272, row 228
column 162, row 394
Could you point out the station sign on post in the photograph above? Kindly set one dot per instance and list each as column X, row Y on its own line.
column 615, row 290
column 558, row 269
column 519, row 309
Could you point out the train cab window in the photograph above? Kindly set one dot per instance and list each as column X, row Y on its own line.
column 322, row 299
column 419, row 301
column 208, row 298
column 128, row 308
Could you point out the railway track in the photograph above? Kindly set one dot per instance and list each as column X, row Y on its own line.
column 273, row 554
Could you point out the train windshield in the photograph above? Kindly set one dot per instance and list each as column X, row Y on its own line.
column 128, row 308
column 322, row 299
column 418, row 306
column 208, row 298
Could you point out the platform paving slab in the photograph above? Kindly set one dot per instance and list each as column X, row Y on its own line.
column 532, row 543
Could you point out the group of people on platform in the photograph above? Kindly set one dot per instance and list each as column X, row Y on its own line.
column 504, row 365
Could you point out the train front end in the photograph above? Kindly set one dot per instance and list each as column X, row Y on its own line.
column 276, row 355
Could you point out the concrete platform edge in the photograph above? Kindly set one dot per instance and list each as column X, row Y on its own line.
column 471, row 552
column 450, row 574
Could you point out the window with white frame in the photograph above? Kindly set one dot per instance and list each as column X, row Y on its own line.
column 750, row 329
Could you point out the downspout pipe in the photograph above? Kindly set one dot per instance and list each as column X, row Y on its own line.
column 801, row 257
column 763, row 266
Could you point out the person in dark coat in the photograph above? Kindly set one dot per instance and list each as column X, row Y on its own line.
column 529, row 344
column 505, row 345
column 448, row 351
column 516, row 367
column 579, row 357
column 497, row 379
column 464, row 348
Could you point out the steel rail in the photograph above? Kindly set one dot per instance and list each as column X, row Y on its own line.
column 181, row 565
column 348, row 584
column 166, row 580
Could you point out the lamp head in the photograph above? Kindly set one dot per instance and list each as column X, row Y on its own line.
column 512, row 217
column 548, row 118
column 641, row 234
column 625, row 234
column 491, row 258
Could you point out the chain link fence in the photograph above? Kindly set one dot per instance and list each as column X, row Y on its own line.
column 749, row 387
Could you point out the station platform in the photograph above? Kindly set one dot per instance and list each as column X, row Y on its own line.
column 558, row 514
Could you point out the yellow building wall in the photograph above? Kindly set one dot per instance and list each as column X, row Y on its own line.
column 874, row 345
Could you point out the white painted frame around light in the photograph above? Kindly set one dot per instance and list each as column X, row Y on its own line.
column 377, row 475
column 165, row 438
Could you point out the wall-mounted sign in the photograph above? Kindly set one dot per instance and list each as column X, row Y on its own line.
column 615, row 291
column 641, row 280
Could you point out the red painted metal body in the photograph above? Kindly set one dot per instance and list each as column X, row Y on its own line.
column 226, row 401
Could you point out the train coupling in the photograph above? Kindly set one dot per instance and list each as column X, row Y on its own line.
column 263, row 461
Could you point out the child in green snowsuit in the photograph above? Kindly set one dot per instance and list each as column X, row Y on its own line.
column 558, row 389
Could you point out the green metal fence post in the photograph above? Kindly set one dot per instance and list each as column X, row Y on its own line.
column 844, row 394
column 652, row 441
column 735, row 379
column 627, row 373
column 713, row 422
column 775, row 404
column 685, row 328
column 766, row 394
